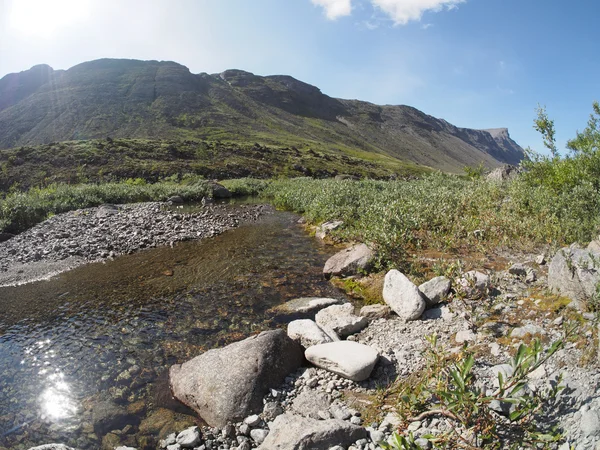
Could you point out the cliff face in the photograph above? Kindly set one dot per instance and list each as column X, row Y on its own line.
column 152, row 99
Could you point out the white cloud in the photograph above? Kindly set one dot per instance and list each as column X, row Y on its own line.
column 426, row 26
column 335, row 8
column 404, row 11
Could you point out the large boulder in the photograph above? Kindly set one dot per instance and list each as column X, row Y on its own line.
column 219, row 191
column 227, row 384
column 435, row 290
column 341, row 320
column 348, row 359
column 307, row 333
column 293, row 432
column 503, row 173
column 349, row 261
column 403, row 296
column 575, row 273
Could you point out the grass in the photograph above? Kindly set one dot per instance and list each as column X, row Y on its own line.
column 21, row 210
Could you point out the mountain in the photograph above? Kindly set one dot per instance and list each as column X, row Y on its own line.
column 163, row 100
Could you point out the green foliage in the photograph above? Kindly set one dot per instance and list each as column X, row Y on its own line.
column 400, row 442
column 475, row 172
column 22, row 210
column 246, row 186
column 449, row 389
column 545, row 126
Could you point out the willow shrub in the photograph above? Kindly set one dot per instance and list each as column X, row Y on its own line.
column 443, row 212
column 21, row 210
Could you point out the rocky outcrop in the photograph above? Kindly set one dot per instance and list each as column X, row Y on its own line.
column 575, row 273
column 349, row 261
column 346, row 358
column 293, row 432
column 227, row 384
column 403, row 296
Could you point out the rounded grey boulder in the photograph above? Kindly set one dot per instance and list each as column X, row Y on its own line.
column 228, row 384
column 403, row 296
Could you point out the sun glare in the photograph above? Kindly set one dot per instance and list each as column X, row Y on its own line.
column 44, row 18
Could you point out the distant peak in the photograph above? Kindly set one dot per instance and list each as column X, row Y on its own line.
column 498, row 132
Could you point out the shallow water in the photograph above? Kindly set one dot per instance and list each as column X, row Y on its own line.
column 111, row 330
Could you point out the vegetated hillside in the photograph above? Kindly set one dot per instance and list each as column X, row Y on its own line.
column 164, row 100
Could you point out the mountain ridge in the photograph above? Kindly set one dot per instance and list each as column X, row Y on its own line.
column 165, row 100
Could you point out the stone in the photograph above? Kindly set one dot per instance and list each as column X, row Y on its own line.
column 474, row 283
column 253, row 420
column 594, row 246
column 125, row 448
column 438, row 312
column 309, row 402
column 523, row 331
column 305, row 305
column 435, row 290
column 293, row 432
column 52, row 447
column 540, row 260
column 346, row 358
column 227, row 384
column 503, row 173
column 341, row 320
column 107, row 416
column 590, row 423
column 307, row 333
column 574, row 273
column 176, row 199
column 272, row 410
column 506, row 370
column 326, row 228
column 518, row 269
column 220, row 191
column 188, row 438
column 465, row 336
column 403, row 296
column 374, row 312
column 350, row 261
column 259, row 435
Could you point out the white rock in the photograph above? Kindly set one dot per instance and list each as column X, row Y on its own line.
column 259, row 435
column 403, row 296
column 189, row 437
column 349, row 261
column 374, row 312
column 590, row 423
column 341, row 320
column 435, row 290
column 465, row 336
column 253, row 420
column 475, row 282
column 326, row 228
column 307, row 333
column 521, row 332
column 346, row 358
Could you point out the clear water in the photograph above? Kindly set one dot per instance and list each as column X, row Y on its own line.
column 111, row 330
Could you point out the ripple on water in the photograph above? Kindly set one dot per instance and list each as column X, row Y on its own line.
column 111, row 330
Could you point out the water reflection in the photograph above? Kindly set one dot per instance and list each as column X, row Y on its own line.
column 56, row 401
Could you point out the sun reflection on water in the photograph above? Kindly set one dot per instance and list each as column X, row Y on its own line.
column 56, row 400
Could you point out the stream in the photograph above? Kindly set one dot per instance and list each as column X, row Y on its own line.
column 110, row 331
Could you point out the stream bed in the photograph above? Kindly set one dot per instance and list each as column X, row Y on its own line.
column 108, row 332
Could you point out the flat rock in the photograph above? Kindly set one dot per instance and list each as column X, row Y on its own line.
column 575, row 273
column 435, row 290
column 227, row 384
column 403, row 296
column 310, row 402
column 346, row 358
column 590, row 423
column 523, row 331
column 341, row 320
column 307, row 333
column 188, row 438
column 349, row 261
column 305, row 305
column 293, row 432
column 374, row 312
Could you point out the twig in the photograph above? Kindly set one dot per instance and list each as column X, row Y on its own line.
column 433, row 412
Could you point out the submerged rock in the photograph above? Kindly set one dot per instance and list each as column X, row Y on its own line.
column 227, row 384
column 304, row 305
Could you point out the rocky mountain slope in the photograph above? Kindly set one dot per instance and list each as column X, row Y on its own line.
column 164, row 100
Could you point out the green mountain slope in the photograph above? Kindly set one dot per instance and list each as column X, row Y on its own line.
column 164, row 100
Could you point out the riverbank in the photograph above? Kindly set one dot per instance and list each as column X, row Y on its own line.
column 68, row 240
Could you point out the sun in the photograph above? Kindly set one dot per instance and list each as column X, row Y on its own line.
column 45, row 18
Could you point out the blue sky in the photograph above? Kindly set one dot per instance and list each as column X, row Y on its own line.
column 475, row 63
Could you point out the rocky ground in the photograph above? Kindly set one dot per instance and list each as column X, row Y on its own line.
column 258, row 393
column 68, row 240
